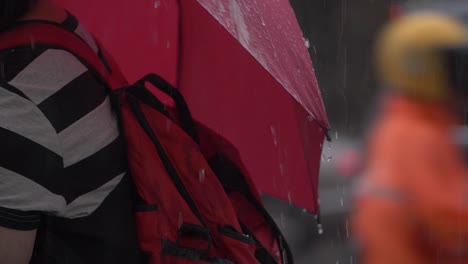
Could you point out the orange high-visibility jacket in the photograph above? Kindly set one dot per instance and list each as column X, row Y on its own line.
column 411, row 203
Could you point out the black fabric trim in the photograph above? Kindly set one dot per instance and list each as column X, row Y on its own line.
column 231, row 232
column 195, row 231
column 141, row 207
column 146, row 97
column 135, row 107
column 104, row 60
column 77, row 99
column 106, row 164
column 30, row 160
column 183, row 111
column 70, row 23
column 19, row 220
column 170, row 248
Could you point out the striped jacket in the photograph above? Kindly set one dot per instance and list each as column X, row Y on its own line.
column 62, row 161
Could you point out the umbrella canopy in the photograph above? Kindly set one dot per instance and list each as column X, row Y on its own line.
column 244, row 70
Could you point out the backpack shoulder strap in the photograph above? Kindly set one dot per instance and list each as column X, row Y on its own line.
column 53, row 35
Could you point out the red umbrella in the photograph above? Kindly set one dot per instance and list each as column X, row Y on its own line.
column 244, row 70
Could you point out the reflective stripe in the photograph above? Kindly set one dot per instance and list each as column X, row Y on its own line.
column 366, row 187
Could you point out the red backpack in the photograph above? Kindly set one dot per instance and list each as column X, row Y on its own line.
column 197, row 203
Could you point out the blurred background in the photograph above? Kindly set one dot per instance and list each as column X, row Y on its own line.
column 340, row 36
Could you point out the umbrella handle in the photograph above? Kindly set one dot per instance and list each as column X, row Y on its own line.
column 185, row 116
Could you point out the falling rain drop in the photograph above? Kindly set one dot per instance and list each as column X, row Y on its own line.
column 347, row 228
column 282, row 169
column 33, row 43
column 283, row 220
column 181, row 219
column 307, row 43
column 329, row 151
column 157, row 3
column 341, row 201
column 336, row 134
column 201, row 175
column 273, row 133
column 289, row 198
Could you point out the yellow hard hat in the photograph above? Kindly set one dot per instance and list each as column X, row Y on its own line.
column 411, row 55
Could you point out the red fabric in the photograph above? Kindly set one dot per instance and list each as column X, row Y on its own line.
column 246, row 75
column 207, row 193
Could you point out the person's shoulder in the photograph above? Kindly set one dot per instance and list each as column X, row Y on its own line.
column 38, row 59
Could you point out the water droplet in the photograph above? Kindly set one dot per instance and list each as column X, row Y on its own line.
column 307, row 43
column 341, row 201
column 336, row 134
column 281, row 169
column 201, row 175
column 304, row 211
column 320, row 229
column 289, row 198
column 157, row 3
column 329, row 159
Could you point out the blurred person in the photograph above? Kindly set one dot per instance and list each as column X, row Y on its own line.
column 65, row 196
column 411, row 203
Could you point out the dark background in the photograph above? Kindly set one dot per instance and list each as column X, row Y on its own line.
column 341, row 35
